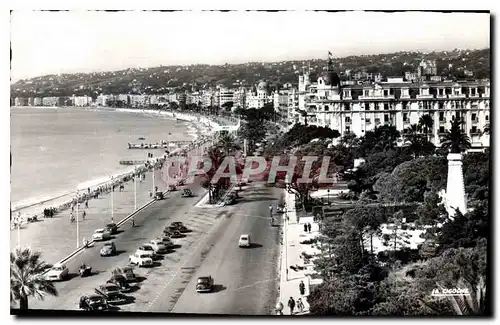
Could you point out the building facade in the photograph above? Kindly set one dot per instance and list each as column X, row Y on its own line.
column 361, row 108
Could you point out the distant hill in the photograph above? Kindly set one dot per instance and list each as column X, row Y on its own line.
column 160, row 80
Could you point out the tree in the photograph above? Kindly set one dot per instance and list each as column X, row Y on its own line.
column 418, row 143
column 27, row 277
column 426, row 122
column 216, row 156
column 226, row 142
column 367, row 222
column 382, row 138
column 397, row 238
column 227, row 106
column 455, row 139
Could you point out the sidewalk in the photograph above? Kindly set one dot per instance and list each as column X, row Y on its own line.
column 293, row 234
column 56, row 237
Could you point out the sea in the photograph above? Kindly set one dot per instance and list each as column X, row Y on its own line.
column 57, row 149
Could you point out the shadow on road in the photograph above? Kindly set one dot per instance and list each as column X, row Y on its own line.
column 138, row 279
column 126, row 300
column 176, row 246
column 218, row 288
column 119, row 252
column 255, row 245
column 71, row 276
column 134, row 288
column 119, row 231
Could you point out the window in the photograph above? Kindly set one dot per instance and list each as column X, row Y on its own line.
column 367, row 106
column 386, row 118
column 377, row 121
column 347, row 119
column 404, row 105
column 368, row 121
column 441, row 129
column 386, row 106
column 487, row 117
column 327, row 108
column 386, row 93
column 405, row 117
column 346, row 107
column 441, row 116
column 441, row 105
column 367, row 93
column 376, row 106
column 473, row 92
column 347, row 129
column 474, row 129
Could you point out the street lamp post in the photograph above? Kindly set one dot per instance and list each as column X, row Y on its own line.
column 112, row 199
column 77, row 223
column 328, row 191
column 135, row 189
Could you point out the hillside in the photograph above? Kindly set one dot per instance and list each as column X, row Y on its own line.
column 160, row 80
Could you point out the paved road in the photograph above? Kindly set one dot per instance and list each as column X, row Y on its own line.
column 149, row 224
column 246, row 279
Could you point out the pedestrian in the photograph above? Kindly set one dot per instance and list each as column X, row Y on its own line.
column 300, row 305
column 72, row 207
column 88, row 190
column 309, row 227
column 87, row 203
column 71, row 217
column 305, row 227
column 302, row 288
column 84, row 214
column 150, row 194
column 291, row 305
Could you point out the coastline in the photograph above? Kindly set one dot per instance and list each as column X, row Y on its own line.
column 62, row 201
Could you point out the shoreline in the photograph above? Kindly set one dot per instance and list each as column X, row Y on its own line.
column 63, row 201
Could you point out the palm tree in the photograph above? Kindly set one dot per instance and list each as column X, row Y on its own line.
column 426, row 122
column 455, row 140
column 226, row 142
column 27, row 277
column 473, row 304
column 216, row 156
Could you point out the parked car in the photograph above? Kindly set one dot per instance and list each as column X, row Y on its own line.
column 58, row 272
column 141, row 259
column 280, row 209
column 108, row 249
column 112, row 228
column 146, row 249
column 166, row 241
column 127, row 272
column 187, row 193
column 101, row 234
column 121, row 282
column 230, row 200
column 172, row 233
column 158, row 246
column 181, row 228
column 244, row 241
column 93, row 302
column 177, row 223
column 110, row 292
column 159, row 196
column 205, row 284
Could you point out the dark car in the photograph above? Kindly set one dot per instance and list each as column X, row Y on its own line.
column 177, row 223
column 121, row 282
column 110, row 292
column 180, row 228
column 230, row 200
column 112, row 228
column 186, row 193
column 159, row 196
column 204, row 284
column 172, row 233
column 93, row 303
column 126, row 272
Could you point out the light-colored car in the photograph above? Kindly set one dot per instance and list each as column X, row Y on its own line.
column 101, row 234
column 158, row 246
column 141, row 259
column 244, row 241
column 57, row 273
column 146, row 249
column 166, row 241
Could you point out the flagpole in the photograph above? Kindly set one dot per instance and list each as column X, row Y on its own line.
column 112, row 208
column 135, row 189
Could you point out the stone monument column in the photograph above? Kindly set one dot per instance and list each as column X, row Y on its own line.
column 455, row 191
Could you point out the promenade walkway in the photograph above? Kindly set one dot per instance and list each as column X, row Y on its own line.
column 57, row 237
column 292, row 249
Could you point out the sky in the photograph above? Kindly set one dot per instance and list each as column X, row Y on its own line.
column 85, row 41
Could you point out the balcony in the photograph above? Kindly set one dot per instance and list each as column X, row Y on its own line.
column 474, row 132
column 441, row 96
column 454, row 96
column 475, row 121
column 429, row 96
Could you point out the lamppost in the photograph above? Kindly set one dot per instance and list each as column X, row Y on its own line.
column 328, row 192
column 135, row 189
column 112, row 198
column 77, row 223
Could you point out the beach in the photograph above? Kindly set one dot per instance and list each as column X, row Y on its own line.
column 97, row 137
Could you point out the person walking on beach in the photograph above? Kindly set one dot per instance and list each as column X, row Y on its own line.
column 291, row 305
column 309, row 227
column 84, row 214
column 87, row 203
column 305, row 227
column 302, row 288
column 150, row 194
column 71, row 217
